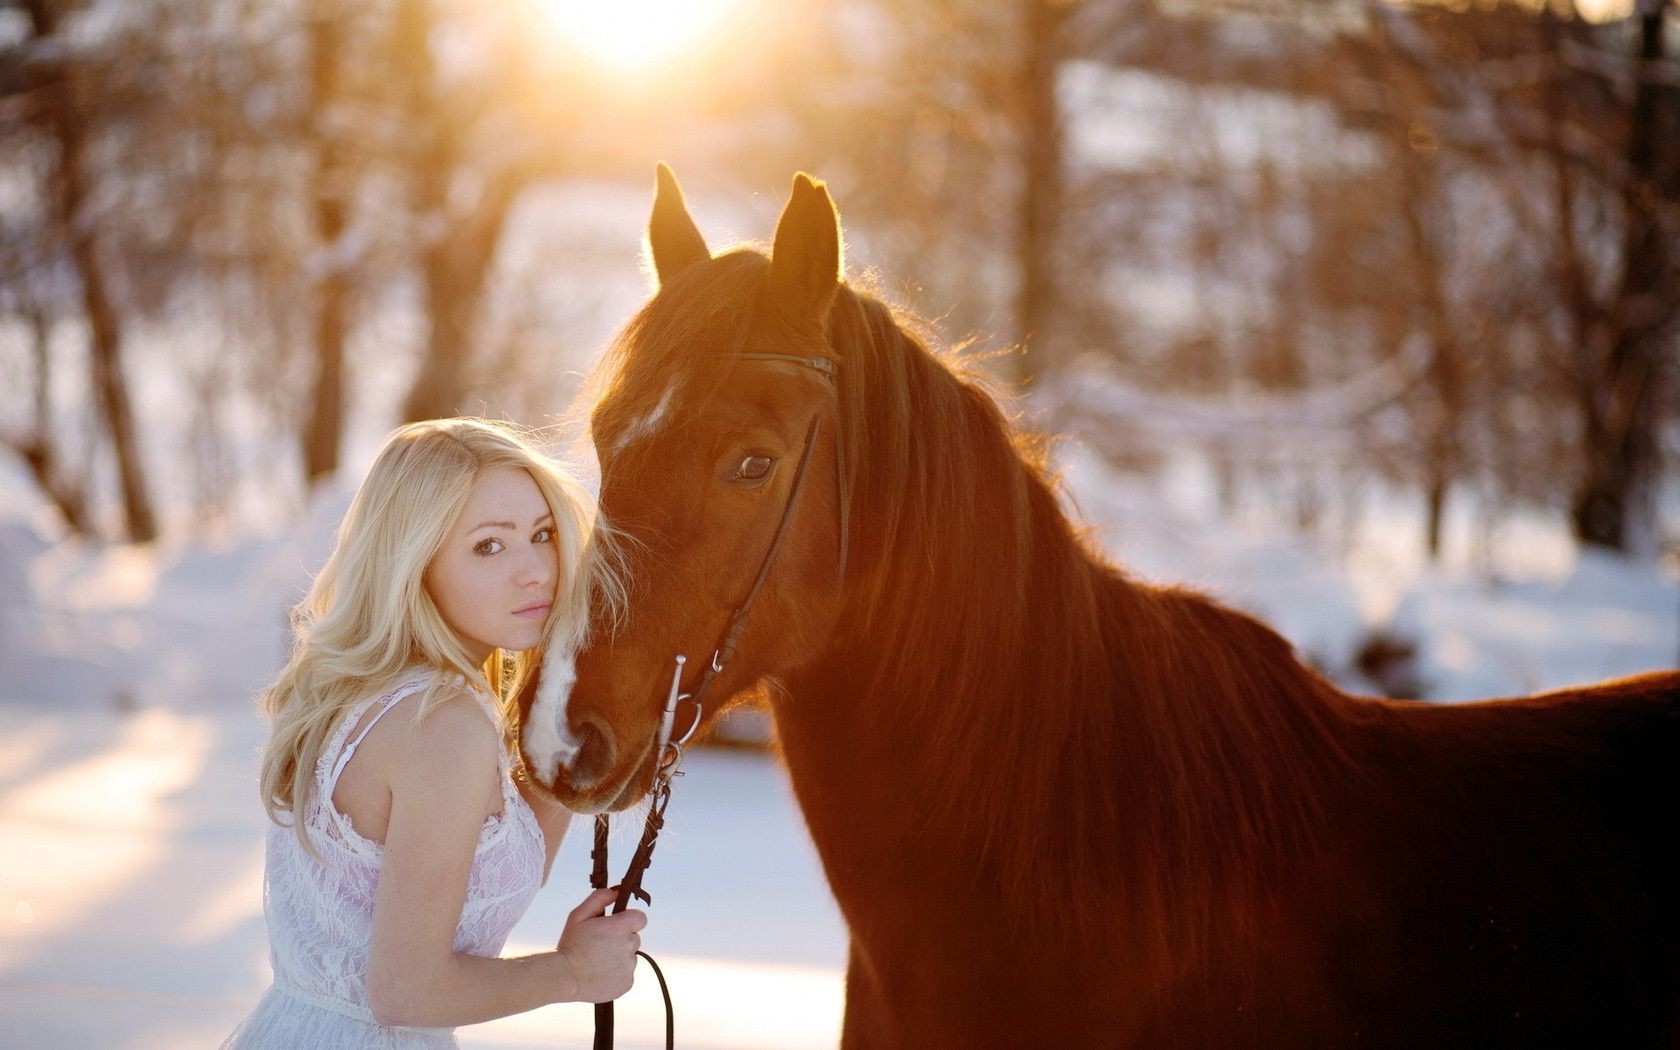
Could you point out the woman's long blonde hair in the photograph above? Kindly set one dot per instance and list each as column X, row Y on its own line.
column 368, row 621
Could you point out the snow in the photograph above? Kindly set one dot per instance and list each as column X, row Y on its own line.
column 1605, row 617
column 136, row 918
column 130, row 889
column 1150, row 528
column 1121, row 125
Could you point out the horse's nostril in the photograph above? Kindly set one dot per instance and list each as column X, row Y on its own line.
column 594, row 755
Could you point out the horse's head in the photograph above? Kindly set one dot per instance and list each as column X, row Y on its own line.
column 722, row 389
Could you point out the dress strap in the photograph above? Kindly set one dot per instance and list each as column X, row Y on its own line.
column 402, row 692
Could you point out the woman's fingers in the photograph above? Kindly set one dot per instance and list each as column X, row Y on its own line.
column 602, row 948
column 627, row 926
column 594, row 905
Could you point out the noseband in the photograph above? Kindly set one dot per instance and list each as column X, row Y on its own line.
column 668, row 751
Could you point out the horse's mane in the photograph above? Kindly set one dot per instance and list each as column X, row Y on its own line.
column 1054, row 698
column 1053, row 694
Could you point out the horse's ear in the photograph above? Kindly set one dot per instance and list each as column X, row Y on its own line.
column 672, row 235
column 805, row 262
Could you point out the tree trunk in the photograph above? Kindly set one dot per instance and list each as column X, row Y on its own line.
column 323, row 429
column 41, row 452
column 450, row 280
column 112, row 388
column 1041, row 191
column 1443, row 386
column 451, row 301
column 105, row 333
column 1435, row 515
column 454, row 270
column 1439, row 418
column 1614, row 500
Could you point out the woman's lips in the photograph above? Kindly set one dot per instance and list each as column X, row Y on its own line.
column 533, row 612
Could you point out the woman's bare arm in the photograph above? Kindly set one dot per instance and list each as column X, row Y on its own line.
column 415, row 977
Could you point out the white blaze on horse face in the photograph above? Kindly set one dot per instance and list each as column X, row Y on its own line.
column 545, row 737
column 649, row 423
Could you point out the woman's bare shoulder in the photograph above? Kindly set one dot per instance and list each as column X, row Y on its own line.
column 438, row 763
column 446, row 738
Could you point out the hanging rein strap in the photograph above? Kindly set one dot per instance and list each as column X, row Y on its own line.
column 631, row 886
column 598, row 880
column 668, row 767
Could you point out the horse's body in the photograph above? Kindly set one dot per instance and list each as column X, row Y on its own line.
column 1462, row 887
column 1059, row 807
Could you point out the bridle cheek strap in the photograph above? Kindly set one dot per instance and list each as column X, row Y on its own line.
column 829, row 370
column 730, row 640
column 843, row 489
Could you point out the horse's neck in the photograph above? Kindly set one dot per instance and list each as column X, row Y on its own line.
column 998, row 694
column 930, row 750
column 862, row 792
column 1181, row 764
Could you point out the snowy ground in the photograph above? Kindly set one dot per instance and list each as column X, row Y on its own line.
column 130, row 835
column 133, row 876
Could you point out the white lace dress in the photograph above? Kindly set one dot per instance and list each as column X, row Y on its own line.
column 320, row 912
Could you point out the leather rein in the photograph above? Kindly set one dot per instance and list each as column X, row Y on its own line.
column 669, row 748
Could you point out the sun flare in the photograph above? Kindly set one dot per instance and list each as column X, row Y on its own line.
column 635, row 35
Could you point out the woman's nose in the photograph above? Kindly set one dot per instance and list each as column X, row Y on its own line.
column 535, row 568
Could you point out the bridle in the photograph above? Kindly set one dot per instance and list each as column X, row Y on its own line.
column 669, row 746
column 730, row 639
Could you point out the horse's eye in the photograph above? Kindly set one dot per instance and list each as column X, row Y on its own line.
column 754, row 468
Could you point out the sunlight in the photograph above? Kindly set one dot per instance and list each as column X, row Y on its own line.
column 635, row 35
column 1595, row 11
column 91, row 825
column 1604, row 10
column 221, row 908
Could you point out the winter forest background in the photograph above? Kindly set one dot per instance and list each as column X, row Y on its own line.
column 1364, row 314
column 232, row 234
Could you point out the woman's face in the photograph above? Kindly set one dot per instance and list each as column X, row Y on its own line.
column 494, row 577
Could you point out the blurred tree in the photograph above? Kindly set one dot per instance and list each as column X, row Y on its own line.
column 1264, row 200
column 465, row 168
column 1627, row 347
column 64, row 100
column 961, row 188
column 1582, row 153
column 1041, row 144
column 177, row 199
column 1410, row 140
column 333, row 190
column 1428, row 220
column 37, row 443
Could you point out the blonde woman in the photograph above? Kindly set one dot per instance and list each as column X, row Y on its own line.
column 403, row 848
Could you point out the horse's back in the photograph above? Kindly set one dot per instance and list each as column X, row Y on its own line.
column 1520, row 871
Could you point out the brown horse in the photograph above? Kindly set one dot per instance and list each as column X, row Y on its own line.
column 1057, row 806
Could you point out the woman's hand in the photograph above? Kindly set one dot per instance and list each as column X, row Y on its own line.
column 601, row 948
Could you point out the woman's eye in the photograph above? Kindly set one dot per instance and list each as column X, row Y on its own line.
column 753, row 468
column 487, row 547
column 543, row 536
